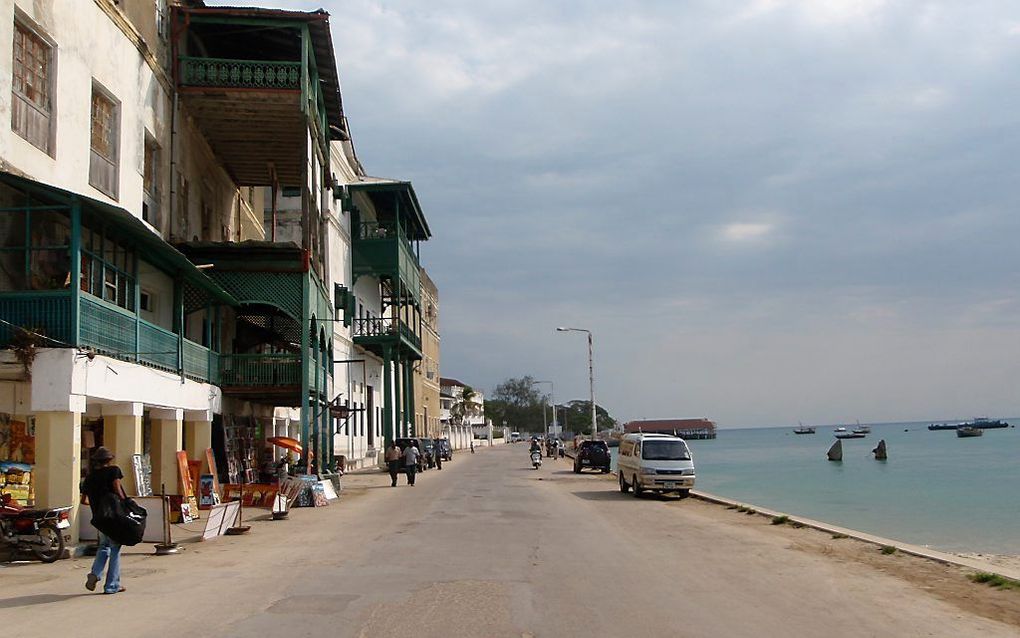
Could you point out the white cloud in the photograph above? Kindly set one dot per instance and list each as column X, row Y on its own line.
column 744, row 232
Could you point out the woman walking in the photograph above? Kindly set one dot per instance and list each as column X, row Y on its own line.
column 104, row 489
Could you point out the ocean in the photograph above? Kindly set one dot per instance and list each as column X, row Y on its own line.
column 951, row 494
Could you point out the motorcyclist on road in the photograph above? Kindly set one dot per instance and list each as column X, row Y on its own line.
column 535, row 447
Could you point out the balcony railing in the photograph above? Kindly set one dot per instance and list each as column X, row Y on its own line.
column 260, row 370
column 107, row 329
column 242, row 74
column 376, row 327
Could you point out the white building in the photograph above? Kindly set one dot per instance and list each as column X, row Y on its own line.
column 191, row 257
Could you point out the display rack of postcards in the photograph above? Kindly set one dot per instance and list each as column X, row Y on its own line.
column 239, row 439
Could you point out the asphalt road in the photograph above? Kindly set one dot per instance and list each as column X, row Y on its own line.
column 487, row 547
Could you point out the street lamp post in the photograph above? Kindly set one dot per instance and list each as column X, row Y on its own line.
column 591, row 377
column 552, row 392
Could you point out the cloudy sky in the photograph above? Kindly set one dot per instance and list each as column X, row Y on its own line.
column 768, row 211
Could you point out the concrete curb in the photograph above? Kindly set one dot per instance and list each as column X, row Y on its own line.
column 906, row 548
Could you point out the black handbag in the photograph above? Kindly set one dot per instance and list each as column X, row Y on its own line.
column 123, row 521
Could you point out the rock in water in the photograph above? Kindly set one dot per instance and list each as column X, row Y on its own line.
column 835, row 452
column 879, row 451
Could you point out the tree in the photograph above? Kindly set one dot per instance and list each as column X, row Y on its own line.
column 465, row 407
column 575, row 416
column 517, row 403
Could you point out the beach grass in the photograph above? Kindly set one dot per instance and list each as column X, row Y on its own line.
column 888, row 549
column 995, row 580
column 838, row 536
column 780, row 520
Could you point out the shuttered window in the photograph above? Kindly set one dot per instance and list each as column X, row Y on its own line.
column 103, row 161
column 30, row 104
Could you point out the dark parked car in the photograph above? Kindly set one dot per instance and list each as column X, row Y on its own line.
column 424, row 457
column 593, row 454
column 428, row 448
column 444, row 450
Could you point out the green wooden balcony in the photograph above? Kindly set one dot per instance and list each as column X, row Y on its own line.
column 380, row 250
column 377, row 334
column 239, row 74
column 107, row 329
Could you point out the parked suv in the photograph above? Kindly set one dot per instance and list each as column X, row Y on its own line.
column 593, row 454
column 444, row 450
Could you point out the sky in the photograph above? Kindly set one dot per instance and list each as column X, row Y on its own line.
column 766, row 211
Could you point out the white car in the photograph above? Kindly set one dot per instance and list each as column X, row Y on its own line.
column 655, row 463
column 515, row 437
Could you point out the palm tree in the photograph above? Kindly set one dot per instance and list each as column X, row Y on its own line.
column 465, row 407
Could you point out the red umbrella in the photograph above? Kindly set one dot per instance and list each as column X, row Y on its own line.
column 286, row 442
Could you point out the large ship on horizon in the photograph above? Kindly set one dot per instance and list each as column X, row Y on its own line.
column 979, row 423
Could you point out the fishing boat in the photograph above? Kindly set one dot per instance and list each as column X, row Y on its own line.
column 942, row 426
column 966, row 431
column 804, row 430
column 862, row 429
column 839, row 429
column 842, row 433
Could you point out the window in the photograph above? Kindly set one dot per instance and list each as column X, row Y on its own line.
column 34, row 254
column 107, row 269
column 105, row 125
column 150, row 183
column 146, row 301
column 30, row 103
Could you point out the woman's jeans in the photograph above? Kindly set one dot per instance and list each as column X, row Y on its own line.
column 108, row 550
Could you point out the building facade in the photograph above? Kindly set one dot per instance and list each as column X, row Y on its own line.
column 191, row 256
column 428, row 410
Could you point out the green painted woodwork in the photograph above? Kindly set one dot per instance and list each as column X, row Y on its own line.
column 376, row 333
column 105, row 328
column 260, row 370
column 48, row 312
column 380, row 251
column 242, row 74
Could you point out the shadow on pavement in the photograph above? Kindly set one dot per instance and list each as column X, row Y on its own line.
column 37, row 599
column 616, row 495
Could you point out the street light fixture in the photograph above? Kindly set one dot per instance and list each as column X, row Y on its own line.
column 552, row 392
column 591, row 376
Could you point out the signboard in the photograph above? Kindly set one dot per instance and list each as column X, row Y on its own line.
column 221, row 517
column 187, row 488
column 208, row 495
column 143, row 474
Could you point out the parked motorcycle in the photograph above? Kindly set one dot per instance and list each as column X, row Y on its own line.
column 536, row 459
column 38, row 531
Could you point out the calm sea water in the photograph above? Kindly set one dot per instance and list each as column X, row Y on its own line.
column 960, row 495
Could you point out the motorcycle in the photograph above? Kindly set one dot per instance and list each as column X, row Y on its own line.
column 38, row 531
column 536, row 459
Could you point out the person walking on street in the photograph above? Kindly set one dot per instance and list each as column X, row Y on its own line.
column 439, row 455
column 411, row 456
column 393, row 456
column 102, row 483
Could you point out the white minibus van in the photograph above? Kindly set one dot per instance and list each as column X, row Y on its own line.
column 655, row 463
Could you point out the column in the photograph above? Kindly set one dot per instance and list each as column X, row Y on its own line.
column 199, row 438
column 398, row 398
column 167, row 440
column 57, row 469
column 387, row 398
column 122, row 434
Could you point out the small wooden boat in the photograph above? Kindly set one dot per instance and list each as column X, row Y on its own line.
column 850, row 435
column 967, row 431
column 804, row 430
column 835, row 452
